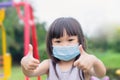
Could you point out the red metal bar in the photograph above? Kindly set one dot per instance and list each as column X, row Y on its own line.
column 28, row 19
column 34, row 38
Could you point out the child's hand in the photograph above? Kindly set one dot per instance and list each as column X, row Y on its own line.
column 85, row 61
column 29, row 62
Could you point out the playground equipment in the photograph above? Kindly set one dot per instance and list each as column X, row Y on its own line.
column 29, row 24
column 28, row 19
column 5, row 58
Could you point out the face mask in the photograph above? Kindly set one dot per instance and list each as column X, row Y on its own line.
column 66, row 53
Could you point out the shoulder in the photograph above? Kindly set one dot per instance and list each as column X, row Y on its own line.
column 43, row 67
column 45, row 62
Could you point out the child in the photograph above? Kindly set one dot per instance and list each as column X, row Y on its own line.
column 66, row 50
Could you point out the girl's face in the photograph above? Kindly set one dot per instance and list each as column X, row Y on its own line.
column 65, row 40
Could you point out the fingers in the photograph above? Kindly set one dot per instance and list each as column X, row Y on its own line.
column 76, row 63
column 30, row 52
column 81, row 49
column 81, row 65
column 36, row 61
column 82, row 61
column 29, row 62
column 32, row 66
column 85, row 61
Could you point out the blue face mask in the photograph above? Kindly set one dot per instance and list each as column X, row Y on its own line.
column 66, row 53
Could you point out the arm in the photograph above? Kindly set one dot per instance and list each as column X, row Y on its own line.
column 98, row 69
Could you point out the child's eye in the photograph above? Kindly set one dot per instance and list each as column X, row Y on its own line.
column 70, row 39
column 57, row 41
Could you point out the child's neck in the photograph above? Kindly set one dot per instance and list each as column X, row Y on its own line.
column 66, row 65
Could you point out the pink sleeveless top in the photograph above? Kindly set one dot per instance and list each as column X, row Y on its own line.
column 56, row 74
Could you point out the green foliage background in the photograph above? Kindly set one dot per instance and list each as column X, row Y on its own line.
column 105, row 47
column 14, row 32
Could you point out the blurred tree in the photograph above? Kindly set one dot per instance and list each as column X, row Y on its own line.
column 97, row 44
column 106, row 38
column 114, row 40
column 4, row 0
column 41, row 33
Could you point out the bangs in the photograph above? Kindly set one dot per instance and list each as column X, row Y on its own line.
column 59, row 28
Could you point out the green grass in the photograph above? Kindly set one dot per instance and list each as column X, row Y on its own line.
column 18, row 75
column 110, row 59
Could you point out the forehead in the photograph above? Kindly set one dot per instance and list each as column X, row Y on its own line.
column 66, row 34
column 61, row 31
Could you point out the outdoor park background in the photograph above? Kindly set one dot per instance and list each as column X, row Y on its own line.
column 102, row 41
